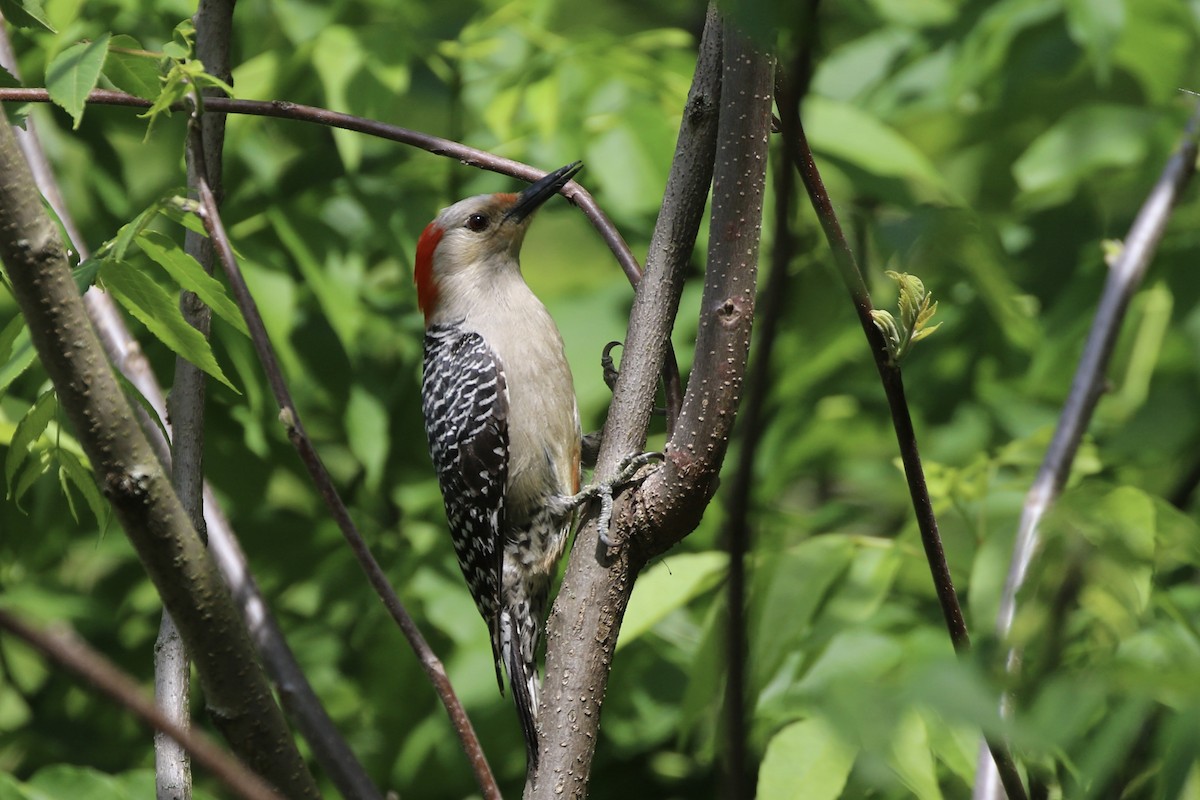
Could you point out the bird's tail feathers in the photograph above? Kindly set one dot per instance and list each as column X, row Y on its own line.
column 518, row 648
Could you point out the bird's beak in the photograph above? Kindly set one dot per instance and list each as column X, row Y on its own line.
column 532, row 198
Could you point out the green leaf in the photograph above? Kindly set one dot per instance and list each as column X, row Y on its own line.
column 188, row 273
column 912, row 757
column 797, row 583
column 27, row 432
column 16, row 352
column 158, row 311
column 890, row 330
column 73, row 469
column 86, row 273
column 39, row 465
column 7, row 80
column 845, row 132
column 916, row 309
column 1096, row 26
column 337, row 57
column 119, row 245
column 66, row 781
column 1082, row 143
column 807, row 759
column 73, row 73
column 182, row 39
column 10, row 789
column 135, row 394
column 337, row 293
column 132, row 69
column 178, row 210
column 25, row 14
column 367, row 431
column 667, row 586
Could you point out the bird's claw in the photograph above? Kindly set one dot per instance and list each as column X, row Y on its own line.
column 610, row 368
column 626, row 473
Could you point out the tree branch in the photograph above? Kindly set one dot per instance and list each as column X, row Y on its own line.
column 133, row 479
column 70, row 652
column 1086, row 388
column 738, row 497
column 588, row 611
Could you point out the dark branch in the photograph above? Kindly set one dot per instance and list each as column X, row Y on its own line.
column 69, row 652
column 738, row 498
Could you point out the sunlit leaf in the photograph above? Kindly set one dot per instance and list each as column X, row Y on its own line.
column 188, row 273
column 28, row 431
column 74, row 73
column 668, row 586
column 132, row 69
column 807, row 760
column 367, row 430
column 160, row 313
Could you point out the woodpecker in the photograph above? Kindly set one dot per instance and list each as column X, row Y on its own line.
column 501, row 419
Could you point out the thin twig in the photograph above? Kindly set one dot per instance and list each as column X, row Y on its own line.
column 432, row 144
column 324, row 483
column 1088, row 384
column 70, row 652
column 893, row 387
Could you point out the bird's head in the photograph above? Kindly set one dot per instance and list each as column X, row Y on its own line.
column 478, row 234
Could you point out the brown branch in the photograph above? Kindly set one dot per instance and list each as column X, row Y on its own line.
column 432, row 144
column 893, row 388
column 588, row 612
column 333, row 501
column 669, row 503
column 738, row 532
column 70, row 652
column 136, row 485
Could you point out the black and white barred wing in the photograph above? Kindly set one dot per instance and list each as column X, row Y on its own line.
column 465, row 401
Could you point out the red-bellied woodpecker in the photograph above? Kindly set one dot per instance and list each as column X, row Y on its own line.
column 501, row 419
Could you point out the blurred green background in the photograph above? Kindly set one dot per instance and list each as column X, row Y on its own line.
column 989, row 147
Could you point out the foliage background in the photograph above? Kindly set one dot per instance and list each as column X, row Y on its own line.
column 990, row 147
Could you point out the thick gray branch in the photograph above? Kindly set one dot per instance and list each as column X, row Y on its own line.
column 588, row 612
column 134, row 481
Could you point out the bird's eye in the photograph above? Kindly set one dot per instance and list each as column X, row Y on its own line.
column 478, row 222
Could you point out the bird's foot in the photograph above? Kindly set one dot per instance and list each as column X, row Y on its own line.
column 603, row 491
